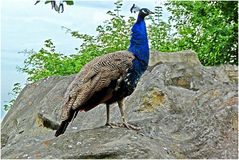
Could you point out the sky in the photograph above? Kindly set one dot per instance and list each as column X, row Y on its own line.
column 26, row 26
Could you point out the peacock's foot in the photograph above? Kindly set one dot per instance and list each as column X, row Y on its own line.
column 130, row 126
column 125, row 124
column 112, row 125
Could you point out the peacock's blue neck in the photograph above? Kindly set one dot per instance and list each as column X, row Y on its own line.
column 140, row 48
column 139, row 42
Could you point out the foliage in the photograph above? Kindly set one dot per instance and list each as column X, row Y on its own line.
column 47, row 62
column 208, row 27
column 15, row 91
column 112, row 36
column 159, row 33
column 57, row 7
column 68, row 2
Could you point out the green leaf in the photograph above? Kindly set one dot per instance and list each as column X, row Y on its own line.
column 69, row 2
column 47, row 1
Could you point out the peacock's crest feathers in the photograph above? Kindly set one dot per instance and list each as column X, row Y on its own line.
column 134, row 9
column 94, row 76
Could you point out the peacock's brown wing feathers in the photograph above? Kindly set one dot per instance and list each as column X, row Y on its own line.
column 95, row 76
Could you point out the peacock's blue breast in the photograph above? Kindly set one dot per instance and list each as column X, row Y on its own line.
column 133, row 75
column 140, row 49
column 139, row 42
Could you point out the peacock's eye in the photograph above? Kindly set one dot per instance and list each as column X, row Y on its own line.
column 144, row 11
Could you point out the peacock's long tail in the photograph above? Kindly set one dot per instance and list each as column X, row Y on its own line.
column 65, row 123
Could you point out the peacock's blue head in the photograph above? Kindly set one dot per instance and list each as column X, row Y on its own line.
column 145, row 12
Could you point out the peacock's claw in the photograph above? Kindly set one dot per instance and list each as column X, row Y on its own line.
column 125, row 125
column 130, row 126
column 112, row 125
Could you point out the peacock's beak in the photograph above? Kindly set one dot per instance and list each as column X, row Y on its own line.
column 150, row 12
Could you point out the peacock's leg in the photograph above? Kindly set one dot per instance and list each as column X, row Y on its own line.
column 112, row 125
column 108, row 114
column 125, row 123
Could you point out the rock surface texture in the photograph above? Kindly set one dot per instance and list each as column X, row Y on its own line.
column 185, row 110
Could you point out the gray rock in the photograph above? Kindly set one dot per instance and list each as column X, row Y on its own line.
column 187, row 56
column 185, row 110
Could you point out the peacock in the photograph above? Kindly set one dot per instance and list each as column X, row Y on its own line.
column 109, row 78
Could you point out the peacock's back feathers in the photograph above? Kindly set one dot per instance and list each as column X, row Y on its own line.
column 95, row 76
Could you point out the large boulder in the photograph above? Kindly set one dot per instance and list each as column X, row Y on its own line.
column 185, row 110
